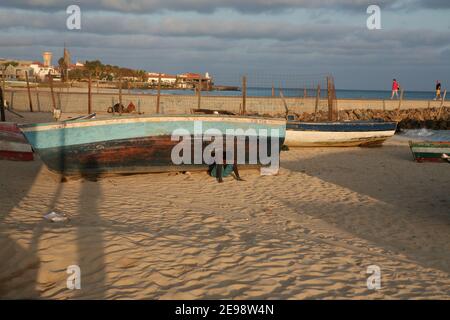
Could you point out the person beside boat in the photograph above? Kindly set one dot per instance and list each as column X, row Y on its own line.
column 395, row 88
column 223, row 170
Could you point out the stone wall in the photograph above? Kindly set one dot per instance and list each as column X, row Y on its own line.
column 431, row 118
column 179, row 104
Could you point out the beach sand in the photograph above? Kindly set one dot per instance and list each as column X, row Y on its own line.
column 308, row 233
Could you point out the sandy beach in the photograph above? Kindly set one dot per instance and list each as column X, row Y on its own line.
column 308, row 233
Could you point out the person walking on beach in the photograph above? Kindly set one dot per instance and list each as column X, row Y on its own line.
column 395, row 88
column 438, row 90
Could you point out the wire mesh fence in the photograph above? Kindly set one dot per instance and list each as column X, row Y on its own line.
column 252, row 93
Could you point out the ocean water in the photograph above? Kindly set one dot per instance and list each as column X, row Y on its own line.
column 290, row 92
column 369, row 94
column 426, row 134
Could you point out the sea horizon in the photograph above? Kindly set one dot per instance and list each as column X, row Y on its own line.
column 296, row 92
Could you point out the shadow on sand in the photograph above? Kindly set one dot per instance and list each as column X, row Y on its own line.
column 19, row 275
column 91, row 255
column 403, row 206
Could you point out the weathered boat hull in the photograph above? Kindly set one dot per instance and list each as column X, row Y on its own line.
column 13, row 145
column 430, row 151
column 136, row 145
column 338, row 134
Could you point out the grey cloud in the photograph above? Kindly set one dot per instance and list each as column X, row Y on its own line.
column 356, row 46
column 436, row 4
column 226, row 29
column 138, row 42
column 172, row 26
column 151, row 6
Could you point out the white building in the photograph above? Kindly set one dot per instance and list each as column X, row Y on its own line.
column 166, row 79
column 40, row 72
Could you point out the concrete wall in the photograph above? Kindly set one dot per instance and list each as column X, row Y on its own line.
column 181, row 104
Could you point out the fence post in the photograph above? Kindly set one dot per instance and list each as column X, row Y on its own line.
column 38, row 100
column 330, row 111
column 244, row 95
column 113, row 104
column 3, row 81
column 59, row 100
column 199, row 93
column 333, row 114
column 158, row 97
column 120, row 96
column 316, row 108
column 89, row 95
column 50, row 79
column 286, row 108
column 29, row 92
column 400, row 101
column 2, row 106
column 442, row 104
column 11, row 101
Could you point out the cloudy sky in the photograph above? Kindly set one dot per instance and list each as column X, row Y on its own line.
column 231, row 37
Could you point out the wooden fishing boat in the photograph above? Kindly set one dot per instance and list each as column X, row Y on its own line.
column 338, row 134
column 142, row 144
column 13, row 145
column 430, row 151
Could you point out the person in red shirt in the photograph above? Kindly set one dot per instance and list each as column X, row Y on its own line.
column 395, row 88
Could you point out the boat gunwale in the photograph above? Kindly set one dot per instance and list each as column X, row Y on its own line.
column 344, row 122
column 148, row 118
column 429, row 144
column 342, row 126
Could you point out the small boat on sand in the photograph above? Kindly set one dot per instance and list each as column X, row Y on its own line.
column 212, row 111
column 13, row 145
column 130, row 144
column 338, row 134
column 430, row 151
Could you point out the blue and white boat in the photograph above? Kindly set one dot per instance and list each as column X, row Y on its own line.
column 338, row 134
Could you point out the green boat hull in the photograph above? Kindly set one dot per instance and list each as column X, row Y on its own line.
column 430, row 151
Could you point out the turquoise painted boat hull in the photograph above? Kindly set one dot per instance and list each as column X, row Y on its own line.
column 144, row 144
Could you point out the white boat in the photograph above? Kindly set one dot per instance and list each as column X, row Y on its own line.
column 338, row 134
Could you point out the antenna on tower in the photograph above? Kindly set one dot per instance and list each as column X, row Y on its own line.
column 67, row 62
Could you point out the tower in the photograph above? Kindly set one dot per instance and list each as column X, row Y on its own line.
column 67, row 57
column 47, row 58
column 66, row 64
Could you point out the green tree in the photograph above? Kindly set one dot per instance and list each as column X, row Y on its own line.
column 63, row 69
column 8, row 63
